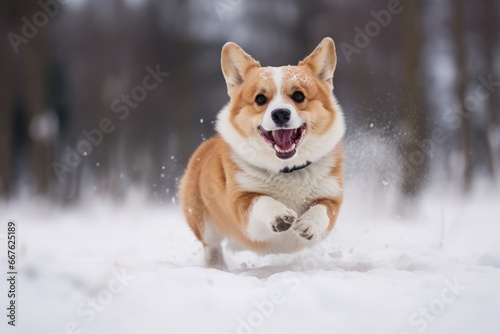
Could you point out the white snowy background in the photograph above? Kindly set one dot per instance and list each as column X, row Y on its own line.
column 436, row 270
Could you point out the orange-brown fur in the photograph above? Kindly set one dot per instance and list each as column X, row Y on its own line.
column 208, row 190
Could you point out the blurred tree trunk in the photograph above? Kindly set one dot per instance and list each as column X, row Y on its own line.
column 6, row 108
column 34, row 70
column 413, row 122
column 461, row 86
column 34, row 60
column 183, row 59
column 490, row 33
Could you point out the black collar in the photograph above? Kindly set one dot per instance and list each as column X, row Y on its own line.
column 287, row 170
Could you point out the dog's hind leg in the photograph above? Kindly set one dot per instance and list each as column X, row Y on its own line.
column 213, row 250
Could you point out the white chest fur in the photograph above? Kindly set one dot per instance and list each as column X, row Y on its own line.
column 297, row 189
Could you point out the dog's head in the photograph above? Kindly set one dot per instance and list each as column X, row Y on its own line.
column 281, row 117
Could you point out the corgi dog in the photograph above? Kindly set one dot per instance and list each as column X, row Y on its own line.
column 271, row 180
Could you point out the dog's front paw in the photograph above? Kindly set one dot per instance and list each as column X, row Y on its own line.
column 283, row 220
column 312, row 225
column 267, row 217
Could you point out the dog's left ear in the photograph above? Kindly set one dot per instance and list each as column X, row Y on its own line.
column 322, row 60
column 235, row 65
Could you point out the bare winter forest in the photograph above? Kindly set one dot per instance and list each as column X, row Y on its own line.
column 419, row 82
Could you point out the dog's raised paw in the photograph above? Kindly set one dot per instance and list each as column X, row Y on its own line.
column 268, row 218
column 305, row 229
column 312, row 224
column 283, row 223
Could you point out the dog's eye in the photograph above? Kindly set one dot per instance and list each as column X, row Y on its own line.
column 260, row 100
column 298, row 97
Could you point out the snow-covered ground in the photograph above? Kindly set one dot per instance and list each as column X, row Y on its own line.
column 133, row 267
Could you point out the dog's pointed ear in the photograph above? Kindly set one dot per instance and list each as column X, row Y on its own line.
column 322, row 61
column 235, row 64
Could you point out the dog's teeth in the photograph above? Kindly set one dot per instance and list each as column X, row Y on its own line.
column 278, row 149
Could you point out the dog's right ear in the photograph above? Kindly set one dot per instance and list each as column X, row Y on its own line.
column 322, row 61
column 235, row 65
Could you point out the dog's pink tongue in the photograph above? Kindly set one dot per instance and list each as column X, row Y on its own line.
column 283, row 138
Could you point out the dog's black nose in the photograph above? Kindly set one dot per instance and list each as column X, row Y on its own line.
column 280, row 116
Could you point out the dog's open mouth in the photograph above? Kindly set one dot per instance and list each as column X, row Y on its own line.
column 284, row 141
